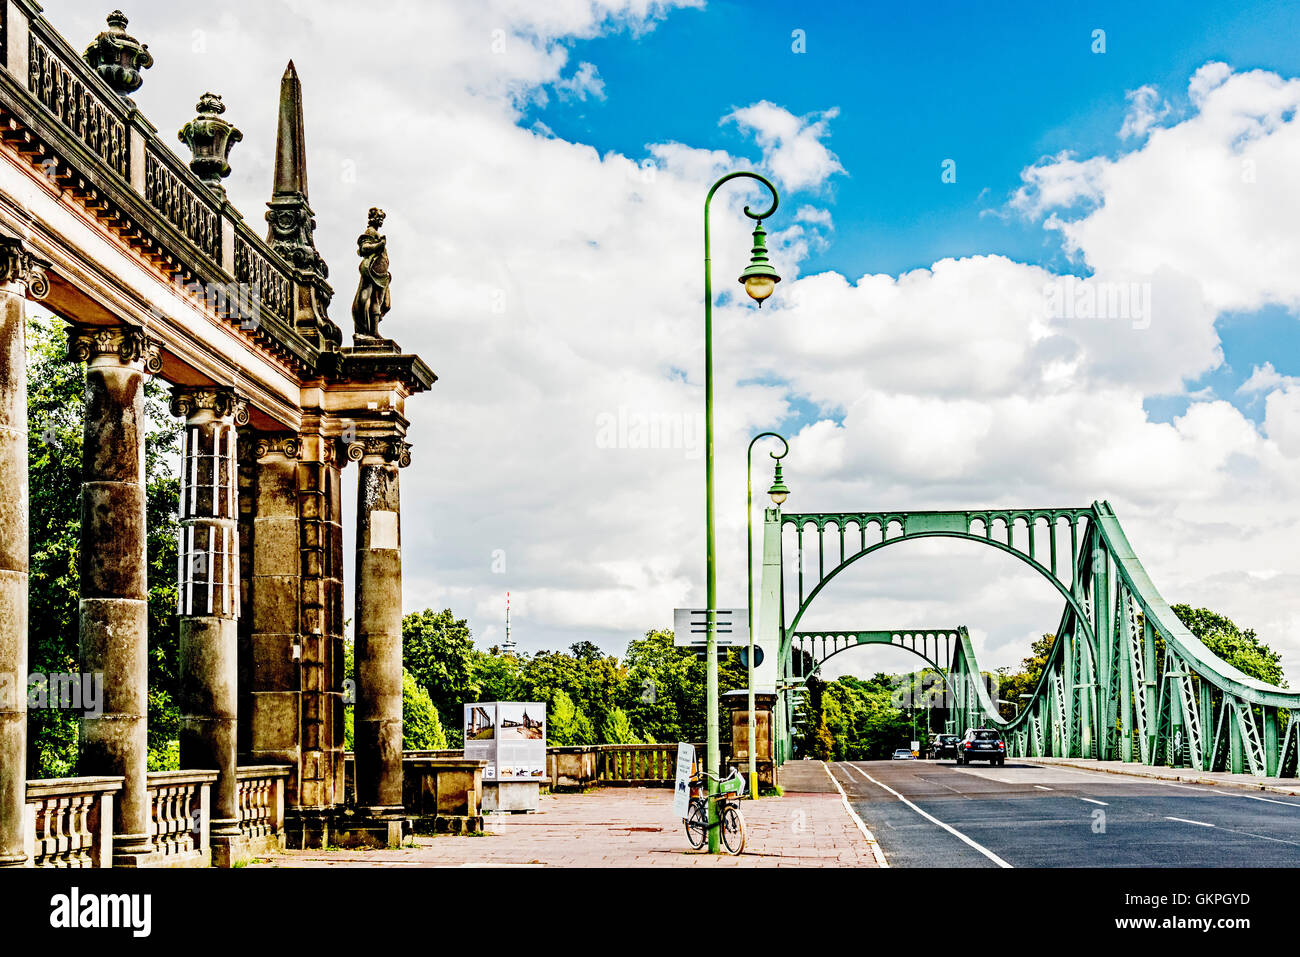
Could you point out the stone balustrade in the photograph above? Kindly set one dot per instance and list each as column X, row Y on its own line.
column 181, row 808
column 70, row 822
column 260, row 802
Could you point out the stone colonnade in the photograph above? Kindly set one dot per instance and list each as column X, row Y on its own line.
column 261, row 634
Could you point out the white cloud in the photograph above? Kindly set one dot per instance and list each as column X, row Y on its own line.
column 792, row 145
column 547, row 284
column 1144, row 112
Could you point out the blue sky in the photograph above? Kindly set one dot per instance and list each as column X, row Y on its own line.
column 993, row 87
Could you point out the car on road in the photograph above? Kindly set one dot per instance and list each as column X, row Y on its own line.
column 944, row 746
column 982, row 744
column 902, row 754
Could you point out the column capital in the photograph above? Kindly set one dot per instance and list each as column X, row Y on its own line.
column 222, row 401
column 263, row 444
column 18, row 265
column 128, row 343
column 389, row 448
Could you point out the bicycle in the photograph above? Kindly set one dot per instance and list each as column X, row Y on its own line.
column 730, row 790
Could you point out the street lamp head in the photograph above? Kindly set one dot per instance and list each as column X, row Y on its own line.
column 778, row 491
column 759, row 278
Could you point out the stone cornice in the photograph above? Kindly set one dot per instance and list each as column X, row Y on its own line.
column 129, row 343
column 221, row 401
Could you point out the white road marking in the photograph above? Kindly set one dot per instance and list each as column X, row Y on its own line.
column 876, row 850
column 1091, row 801
column 930, row 817
column 1042, row 788
column 1183, row 820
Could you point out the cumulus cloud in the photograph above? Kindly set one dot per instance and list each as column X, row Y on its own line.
column 519, row 263
column 792, row 145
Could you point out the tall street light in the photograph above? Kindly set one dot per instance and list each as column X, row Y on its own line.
column 779, row 493
column 759, row 279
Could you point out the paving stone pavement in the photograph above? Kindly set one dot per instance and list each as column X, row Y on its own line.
column 630, row 827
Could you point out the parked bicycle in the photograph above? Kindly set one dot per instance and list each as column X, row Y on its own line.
column 730, row 790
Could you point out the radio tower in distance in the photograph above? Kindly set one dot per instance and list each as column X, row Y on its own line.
column 509, row 646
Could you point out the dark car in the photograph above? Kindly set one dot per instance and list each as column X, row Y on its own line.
column 944, row 746
column 982, row 744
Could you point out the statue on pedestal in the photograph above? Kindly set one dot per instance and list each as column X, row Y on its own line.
column 372, row 300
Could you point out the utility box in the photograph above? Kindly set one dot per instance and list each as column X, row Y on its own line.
column 738, row 752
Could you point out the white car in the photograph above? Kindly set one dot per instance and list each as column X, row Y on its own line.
column 902, row 754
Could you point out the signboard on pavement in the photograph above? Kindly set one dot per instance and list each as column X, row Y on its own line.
column 682, row 785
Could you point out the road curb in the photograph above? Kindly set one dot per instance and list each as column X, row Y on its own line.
column 1191, row 778
column 876, row 851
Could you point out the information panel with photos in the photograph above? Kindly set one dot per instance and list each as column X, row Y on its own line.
column 510, row 736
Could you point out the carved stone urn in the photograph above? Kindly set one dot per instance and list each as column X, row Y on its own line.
column 119, row 57
column 210, row 138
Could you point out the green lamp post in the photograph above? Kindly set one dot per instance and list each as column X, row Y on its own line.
column 778, row 493
column 759, row 280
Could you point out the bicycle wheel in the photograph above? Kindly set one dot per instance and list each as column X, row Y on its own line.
column 697, row 827
column 733, row 829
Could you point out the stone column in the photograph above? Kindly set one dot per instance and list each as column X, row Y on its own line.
column 377, row 732
column 19, row 276
column 208, row 600
column 114, row 607
column 274, row 648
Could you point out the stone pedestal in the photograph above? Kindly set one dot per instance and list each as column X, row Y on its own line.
column 114, row 606
column 209, row 602
column 13, row 566
column 378, row 714
column 511, row 796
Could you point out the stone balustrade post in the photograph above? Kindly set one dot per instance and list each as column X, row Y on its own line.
column 114, row 606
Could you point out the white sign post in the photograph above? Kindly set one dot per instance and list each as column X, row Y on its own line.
column 682, row 785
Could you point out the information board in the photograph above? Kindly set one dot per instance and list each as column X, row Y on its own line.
column 510, row 736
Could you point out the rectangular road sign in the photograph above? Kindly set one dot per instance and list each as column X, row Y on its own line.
column 690, row 627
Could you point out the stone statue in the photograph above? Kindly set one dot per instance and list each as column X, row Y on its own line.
column 372, row 300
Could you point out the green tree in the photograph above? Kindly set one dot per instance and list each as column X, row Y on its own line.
column 567, row 725
column 421, row 727
column 1239, row 647
column 617, row 729
column 439, row 652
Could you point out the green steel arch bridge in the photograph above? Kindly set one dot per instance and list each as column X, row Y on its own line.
column 1125, row 679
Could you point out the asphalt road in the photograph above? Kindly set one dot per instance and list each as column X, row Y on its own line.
column 935, row 814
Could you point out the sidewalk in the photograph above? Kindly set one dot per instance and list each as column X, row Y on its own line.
column 1181, row 775
column 631, row 827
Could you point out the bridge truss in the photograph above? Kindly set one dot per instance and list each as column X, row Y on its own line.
column 1125, row 680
